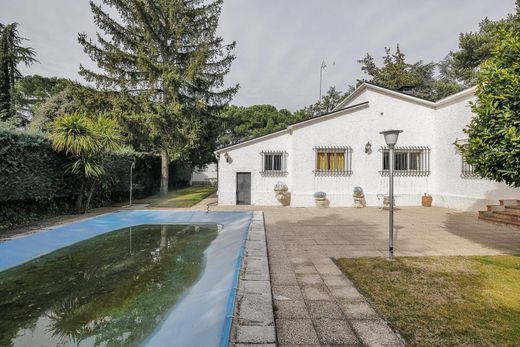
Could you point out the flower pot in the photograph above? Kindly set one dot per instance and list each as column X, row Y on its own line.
column 427, row 200
column 321, row 202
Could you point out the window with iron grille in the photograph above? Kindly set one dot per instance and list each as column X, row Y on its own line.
column 333, row 161
column 408, row 161
column 466, row 169
column 274, row 163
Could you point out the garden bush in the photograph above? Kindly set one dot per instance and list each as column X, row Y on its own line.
column 34, row 182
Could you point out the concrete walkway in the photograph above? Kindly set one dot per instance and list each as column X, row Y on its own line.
column 315, row 304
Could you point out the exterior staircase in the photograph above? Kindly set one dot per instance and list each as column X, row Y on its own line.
column 508, row 212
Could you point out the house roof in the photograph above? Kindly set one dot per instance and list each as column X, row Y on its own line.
column 342, row 106
column 404, row 96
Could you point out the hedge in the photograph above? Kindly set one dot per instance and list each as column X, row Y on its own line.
column 34, row 183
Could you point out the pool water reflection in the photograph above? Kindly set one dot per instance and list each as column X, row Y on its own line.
column 110, row 290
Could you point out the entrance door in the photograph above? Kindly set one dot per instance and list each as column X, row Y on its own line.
column 244, row 188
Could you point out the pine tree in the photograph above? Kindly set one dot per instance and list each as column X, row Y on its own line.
column 396, row 73
column 166, row 60
column 11, row 54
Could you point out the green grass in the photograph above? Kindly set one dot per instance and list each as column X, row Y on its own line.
column 184, row 197
column 444, row 301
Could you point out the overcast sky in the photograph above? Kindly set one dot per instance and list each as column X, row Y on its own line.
column 280, row 43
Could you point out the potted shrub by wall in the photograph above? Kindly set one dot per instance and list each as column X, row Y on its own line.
column 320, row 198
column 427, row 200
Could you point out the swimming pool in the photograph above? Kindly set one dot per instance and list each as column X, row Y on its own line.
column 151, row 278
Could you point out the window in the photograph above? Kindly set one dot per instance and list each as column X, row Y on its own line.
column 333, row 161
column 466, row 169
column 273, row 163
column 408, row 161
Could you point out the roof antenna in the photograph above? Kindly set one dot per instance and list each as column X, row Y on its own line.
column 322, row 67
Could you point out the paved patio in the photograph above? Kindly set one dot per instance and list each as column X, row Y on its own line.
column 315, row 304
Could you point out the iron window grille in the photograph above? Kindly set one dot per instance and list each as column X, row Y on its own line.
column 466, row 169
column 274, row 163
column 408, row 161
column 333, row 161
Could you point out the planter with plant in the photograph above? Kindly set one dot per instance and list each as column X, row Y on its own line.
column 320, row 198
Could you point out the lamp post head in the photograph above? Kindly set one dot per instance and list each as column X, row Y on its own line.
column 391, row 136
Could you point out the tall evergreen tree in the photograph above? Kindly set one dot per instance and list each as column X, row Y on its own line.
column 165, row 58
column 474, row 48
column 12, row 53
column 396, row 73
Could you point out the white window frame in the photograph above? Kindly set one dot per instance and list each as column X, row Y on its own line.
column 283, row 163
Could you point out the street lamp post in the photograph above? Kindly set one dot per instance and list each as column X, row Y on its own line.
column 391, row 139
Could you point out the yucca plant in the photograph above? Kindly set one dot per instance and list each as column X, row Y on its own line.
column 85, row 140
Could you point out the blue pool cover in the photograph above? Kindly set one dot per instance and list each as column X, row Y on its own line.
column 204, row 314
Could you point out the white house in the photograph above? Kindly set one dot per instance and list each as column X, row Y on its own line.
column 344, row 149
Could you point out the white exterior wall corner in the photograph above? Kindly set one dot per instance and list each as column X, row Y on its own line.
column 451, row 189
column 247, row 158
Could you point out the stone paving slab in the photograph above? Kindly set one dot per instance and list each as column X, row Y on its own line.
column 335, row 332
column 358, row 309
column 375, row 333
column 324, row 309
column 287, row 293
column 296, row 332
column 291, row 309
column 256, row 334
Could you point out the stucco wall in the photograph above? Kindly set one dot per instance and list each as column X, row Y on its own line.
column 355, row 129
column 249, row 159
column 422, row 125
column 452, row 190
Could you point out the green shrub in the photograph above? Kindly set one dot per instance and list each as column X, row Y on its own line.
column 34, row 183
column 494, row 133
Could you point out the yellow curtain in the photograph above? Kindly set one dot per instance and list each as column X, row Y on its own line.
column 340, row 161
column 331, row 161
column 321, row 161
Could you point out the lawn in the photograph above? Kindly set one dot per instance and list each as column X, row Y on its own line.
column 184, row 197
column 444, row 301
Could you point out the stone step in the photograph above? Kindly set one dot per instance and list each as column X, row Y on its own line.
column 512, row 207
column 515, row 211
column 498, row 220
column 500, row 217
column 507, row 216
column 509, row 202
column 496, row 207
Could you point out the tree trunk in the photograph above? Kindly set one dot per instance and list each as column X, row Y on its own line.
column 164, row 172
column 90, row 194
column 164, row 237
column 79, row 200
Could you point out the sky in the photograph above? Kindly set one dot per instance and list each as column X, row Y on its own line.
column 280, row 43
